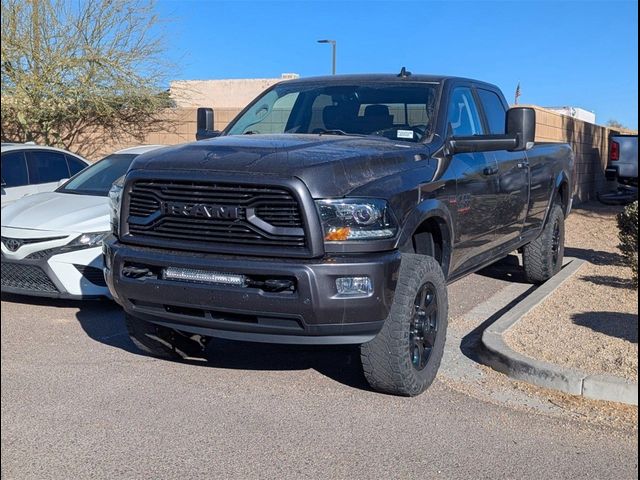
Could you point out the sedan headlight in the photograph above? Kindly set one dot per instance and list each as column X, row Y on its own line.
column 356, row 219
column 115, row 199
column 88, row 240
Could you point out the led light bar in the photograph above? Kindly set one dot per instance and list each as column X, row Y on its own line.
column 203, row 276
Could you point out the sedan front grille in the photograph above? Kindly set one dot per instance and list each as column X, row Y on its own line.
column 26, row 277
column 13, row 244
column 197, row 213
column 92, row 274
column 40, row 254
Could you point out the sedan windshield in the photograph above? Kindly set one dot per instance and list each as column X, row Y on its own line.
column 400, row 111
column 98, row 178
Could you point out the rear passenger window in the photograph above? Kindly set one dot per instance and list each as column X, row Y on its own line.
column 318, row 120
column 463, row 117
column 494, row 110
column 14, row 170
column 75, row 165
column 46, row 167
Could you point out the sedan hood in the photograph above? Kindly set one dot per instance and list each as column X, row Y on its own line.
column 330, row 165
column 59, row 212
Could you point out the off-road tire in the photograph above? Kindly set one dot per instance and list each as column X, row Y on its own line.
column 162, row 342
column 387, row 359
column 543, row 257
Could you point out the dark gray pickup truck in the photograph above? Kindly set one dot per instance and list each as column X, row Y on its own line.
column 335, row 210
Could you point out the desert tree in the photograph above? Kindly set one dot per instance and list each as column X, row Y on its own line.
column 81, row 72
column 615, row 124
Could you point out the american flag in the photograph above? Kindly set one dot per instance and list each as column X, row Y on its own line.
column 517, row 92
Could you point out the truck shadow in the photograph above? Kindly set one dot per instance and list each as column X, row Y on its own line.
column 508, row 269
column 471, row 343
column 340, row 363
column 103, row 322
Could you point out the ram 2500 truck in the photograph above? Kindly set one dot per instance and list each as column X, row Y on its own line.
column 336, row 210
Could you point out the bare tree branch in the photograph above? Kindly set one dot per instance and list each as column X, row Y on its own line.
column 79, row 69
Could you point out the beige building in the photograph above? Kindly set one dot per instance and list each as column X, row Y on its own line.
column 221, row 94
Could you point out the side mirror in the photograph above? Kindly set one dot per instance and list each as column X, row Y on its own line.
column 521, row 134
column 204, row 124
column 521, row 125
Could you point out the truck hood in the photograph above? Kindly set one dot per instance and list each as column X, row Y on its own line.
column 330, row 165
column 58, row 212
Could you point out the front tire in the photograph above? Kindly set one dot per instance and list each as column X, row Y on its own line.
column 403, row 359
column 543, row 257
column 162, row 342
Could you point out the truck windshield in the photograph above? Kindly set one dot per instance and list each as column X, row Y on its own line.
column 98, row 178
column 399, row 111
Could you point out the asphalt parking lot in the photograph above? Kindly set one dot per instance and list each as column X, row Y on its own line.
column 79, row 401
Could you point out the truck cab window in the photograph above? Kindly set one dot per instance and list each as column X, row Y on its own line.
column 400, row 111
column 494, row 111
column 463, row 117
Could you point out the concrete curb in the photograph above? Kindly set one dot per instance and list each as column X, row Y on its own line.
column 499, row 356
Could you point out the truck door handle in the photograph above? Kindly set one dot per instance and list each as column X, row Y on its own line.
column 488, row 171
column 523, row 164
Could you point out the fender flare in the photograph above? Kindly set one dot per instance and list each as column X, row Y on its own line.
column 561, row 178
column 429, row 209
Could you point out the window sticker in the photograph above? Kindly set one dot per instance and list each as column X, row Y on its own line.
column 405, row 134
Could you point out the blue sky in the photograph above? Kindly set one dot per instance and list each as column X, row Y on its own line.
column 578, row 53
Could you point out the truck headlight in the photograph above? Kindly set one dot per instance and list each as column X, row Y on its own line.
column 115, row 199
column 356, row 219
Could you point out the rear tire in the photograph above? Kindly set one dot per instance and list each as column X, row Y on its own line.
column 543, row 257
column 403, row 359
column 162, row 342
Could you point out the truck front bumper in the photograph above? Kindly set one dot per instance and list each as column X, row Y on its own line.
column 312, row 313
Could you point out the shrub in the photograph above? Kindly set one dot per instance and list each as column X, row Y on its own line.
column 628, row 225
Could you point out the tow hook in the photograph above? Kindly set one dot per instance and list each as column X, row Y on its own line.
column 272, row 285
column 131, row 271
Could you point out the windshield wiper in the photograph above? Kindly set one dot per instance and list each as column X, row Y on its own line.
column 332, row 131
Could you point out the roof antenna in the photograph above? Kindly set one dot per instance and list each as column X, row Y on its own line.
column 404, row 73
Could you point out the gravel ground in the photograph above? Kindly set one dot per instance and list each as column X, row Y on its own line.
column 591, row 322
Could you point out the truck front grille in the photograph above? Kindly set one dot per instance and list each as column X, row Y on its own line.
column 191, row 213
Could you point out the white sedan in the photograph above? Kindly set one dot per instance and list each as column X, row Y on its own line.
column 28, row 168
column 52, row 242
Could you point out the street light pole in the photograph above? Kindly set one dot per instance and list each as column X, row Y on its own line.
column 333, row 51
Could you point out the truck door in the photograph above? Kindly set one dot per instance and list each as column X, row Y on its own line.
column 513, row 172
column 477, row 186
